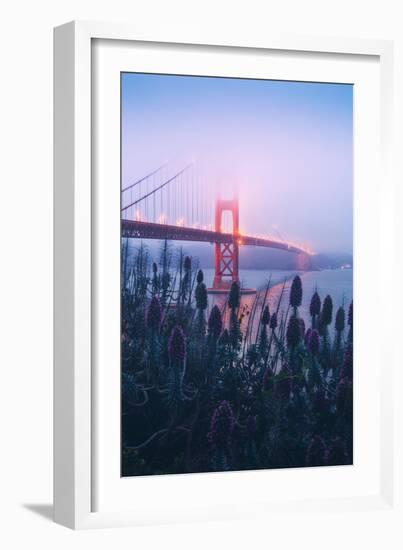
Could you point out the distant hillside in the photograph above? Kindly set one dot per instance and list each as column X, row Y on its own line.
column 266, row 258
column 332, row 260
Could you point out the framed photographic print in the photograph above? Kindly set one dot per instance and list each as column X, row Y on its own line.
column 220, row 205
column 234, row 354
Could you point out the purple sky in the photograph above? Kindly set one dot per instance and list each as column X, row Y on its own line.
column 287, row 146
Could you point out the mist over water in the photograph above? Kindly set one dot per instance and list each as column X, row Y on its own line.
column 338, row 283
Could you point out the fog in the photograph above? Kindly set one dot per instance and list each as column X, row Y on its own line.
column 286, row 147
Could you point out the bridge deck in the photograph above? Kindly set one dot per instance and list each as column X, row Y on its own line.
column 146, row 230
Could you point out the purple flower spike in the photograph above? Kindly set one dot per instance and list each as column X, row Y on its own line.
column 201, row 296
column 215, row 322
column 327, row 311
column 293, row 332
column 177, row 344
column 154, row 314
column 296, row 292
column 314, row 308
column 340, row 320
column 266, row 316
column 200, row 276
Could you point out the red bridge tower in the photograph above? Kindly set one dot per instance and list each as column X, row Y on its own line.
column 226, row 258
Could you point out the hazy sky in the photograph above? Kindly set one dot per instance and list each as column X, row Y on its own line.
column 287, row 146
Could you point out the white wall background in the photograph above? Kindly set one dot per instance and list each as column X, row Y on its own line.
column 26, row 264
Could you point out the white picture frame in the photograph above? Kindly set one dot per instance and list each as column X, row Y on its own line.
column 76, row 389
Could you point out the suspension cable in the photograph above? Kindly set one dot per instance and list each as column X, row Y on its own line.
column 155, row 190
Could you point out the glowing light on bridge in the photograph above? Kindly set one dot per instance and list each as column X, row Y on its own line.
column 180, row 208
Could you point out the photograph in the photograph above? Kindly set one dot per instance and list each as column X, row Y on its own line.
column 202, row 264
column 236, row 274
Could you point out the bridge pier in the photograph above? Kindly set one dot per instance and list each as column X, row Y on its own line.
column 226, row 255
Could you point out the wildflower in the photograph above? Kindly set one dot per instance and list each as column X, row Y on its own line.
column 200, row 277
column 293, row 332
column 215, row 323
column 314, row 342
column 314, row 308
column 154, row 314
column 340, row 320
column 273, row 321
column 201, row 296
column 177, row 344
column 266, row 316
column 221, row 425
column 234, row 296
column 296, row 292
column 316, row 452
column 327, row 311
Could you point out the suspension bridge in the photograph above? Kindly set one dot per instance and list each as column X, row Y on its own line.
column 179, row 207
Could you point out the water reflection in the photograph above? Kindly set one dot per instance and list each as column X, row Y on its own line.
column 337, row 283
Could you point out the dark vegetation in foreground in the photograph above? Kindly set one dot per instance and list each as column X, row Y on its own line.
column 230, row 389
